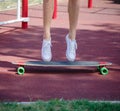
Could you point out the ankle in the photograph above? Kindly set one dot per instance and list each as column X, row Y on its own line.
column 72, row 36
column 47, row 37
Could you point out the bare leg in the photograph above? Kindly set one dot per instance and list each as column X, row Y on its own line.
column 48, row 7
column 73, row 10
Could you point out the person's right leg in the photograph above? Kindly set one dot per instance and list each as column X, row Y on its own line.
column 73, row 10
column 48, row 7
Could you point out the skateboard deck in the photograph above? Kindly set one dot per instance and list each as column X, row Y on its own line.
column 101, row 66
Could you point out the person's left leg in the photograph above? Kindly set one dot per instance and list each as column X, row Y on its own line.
column 73, row 10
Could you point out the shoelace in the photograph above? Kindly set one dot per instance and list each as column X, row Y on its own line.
column 73, row 47
column 47, row 46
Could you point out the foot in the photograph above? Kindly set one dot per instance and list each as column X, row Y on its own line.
column 71, row 49
column 46, row 50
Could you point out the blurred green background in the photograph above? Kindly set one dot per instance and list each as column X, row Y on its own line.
column 11, row 4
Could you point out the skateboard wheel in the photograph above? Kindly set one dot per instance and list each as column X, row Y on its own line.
column 104, row 71
column 21, row 70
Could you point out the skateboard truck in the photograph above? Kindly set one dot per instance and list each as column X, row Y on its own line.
column 103, row 70
column 20, row 68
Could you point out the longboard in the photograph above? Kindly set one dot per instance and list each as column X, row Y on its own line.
column 101, row 66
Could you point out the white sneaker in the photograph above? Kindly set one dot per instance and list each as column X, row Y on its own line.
column 71, row 49
column 46, row 50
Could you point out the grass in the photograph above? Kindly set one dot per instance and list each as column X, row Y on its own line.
column 61, row 105
column 11, row 4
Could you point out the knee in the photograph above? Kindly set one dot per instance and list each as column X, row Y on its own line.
column 74, row 3
column 46, row 1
